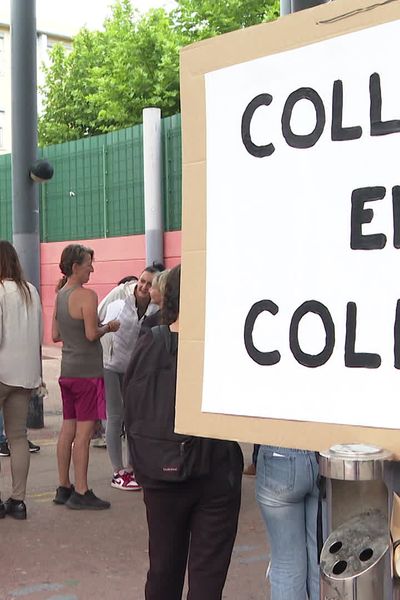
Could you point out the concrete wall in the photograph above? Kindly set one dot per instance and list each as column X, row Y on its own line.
column 114, row 258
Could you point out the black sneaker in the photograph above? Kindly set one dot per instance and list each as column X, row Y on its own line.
column 2, row 510
column 63, row 494
column 4, row 449
column 33, row 447
column 86, row 501
column 15, row 508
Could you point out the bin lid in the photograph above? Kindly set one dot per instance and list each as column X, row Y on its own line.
column 353, row 462
column 355, row 546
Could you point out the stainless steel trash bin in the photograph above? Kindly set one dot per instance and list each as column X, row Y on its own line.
column 356, row 556
column 356, row 559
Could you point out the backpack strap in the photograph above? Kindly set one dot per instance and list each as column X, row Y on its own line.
column 170, row 340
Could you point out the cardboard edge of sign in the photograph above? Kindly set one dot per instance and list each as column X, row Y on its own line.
column 294, row 31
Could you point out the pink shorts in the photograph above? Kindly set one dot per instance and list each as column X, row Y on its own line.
column 83, row 398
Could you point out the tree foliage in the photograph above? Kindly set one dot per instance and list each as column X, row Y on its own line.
column 108, row 78
column 201, row 19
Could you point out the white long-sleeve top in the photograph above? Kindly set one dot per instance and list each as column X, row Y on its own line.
column 120, row 292
column 118, row 346
column 21, row 332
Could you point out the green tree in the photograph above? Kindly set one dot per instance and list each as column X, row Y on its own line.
column 201, row 19
column 111, row 75
column 140, row 68
column 108, row 78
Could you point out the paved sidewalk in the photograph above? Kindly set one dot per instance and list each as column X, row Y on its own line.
column 58, row 554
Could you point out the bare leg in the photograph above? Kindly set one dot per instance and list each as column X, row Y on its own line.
column 64, row 447
column 80, row 454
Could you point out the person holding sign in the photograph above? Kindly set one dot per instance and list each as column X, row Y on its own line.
column 287, row 492
column 191, row 485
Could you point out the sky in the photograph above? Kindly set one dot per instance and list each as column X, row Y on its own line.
column 68, row 16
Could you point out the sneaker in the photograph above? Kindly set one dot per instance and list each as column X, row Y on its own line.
column 99, row 442
column 15, row 508
column 4, row 449
column 86, row 501
column 123, row 480
column 2, row 510
column 33, row 447
column 63, row 494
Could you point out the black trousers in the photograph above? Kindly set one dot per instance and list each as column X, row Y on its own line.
column 194, row 524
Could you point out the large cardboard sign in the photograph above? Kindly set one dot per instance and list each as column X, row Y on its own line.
column 290, row 319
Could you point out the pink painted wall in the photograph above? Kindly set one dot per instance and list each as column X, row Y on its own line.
column 114, row 258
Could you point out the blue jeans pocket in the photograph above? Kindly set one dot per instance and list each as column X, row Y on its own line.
column 278, row 473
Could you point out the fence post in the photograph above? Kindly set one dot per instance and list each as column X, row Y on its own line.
column 105, row 199
column 153, row 213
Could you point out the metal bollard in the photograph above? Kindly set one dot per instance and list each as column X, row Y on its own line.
column 356, row 560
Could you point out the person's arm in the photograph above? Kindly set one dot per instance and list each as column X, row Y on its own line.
column 116, row 293
column 143, row 343
column 93, row 330
column 39, row 311
column 55, row 332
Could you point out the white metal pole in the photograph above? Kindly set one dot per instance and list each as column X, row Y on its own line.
column 153, row 209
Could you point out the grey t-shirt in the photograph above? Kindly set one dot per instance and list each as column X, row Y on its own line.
column 80, row 357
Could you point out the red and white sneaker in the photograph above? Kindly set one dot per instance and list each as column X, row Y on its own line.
column 122, row 480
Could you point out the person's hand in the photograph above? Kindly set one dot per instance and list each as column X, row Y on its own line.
column 113, row 325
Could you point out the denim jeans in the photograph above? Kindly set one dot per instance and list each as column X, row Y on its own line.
column 2, row 434
column 287, row 493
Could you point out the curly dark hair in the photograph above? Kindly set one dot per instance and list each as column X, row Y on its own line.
column 155, row 267
column 170, row 309
column 71, row 255
column 127, row 279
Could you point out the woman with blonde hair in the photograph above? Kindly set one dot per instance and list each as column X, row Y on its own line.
column 20, row 367
column 157, row 291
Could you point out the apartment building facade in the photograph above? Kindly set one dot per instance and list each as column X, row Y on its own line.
column 45, row 41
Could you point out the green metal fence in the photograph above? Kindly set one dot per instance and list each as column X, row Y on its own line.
column 98, row 189
column 171, row 133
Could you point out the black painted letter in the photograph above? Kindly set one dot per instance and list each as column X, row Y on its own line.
column 366, row 360
column 360, row 215
column 261, row 358
column 251, row 147
column 311, row 360
column 338, row 132
column 397, row 337
column 379, row 127
column 309, row 140
column 396, row 215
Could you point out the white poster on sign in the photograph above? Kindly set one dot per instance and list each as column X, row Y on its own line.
column 303, row 233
